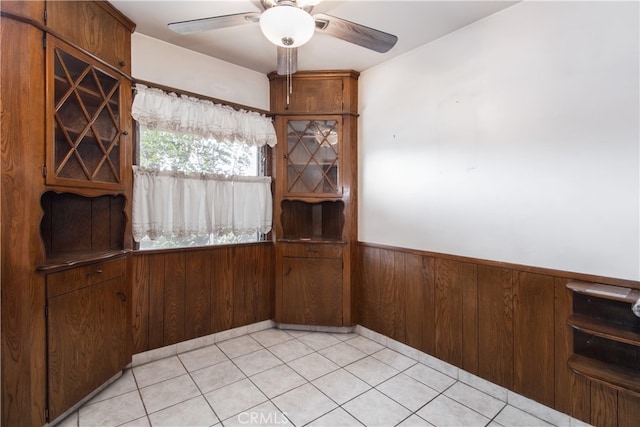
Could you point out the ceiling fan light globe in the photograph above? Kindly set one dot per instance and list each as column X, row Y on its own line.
column 287, row 26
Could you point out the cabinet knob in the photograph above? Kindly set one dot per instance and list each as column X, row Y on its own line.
column 125, row 132
column 93, row 273
column 122, row 63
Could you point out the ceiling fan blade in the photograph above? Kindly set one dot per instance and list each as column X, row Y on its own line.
column 287, row 60
column 355, row 33
column 214, row 23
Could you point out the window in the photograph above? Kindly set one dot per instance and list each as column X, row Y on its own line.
column 200, row 176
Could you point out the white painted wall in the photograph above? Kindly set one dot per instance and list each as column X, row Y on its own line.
column 514, row 139
column 169, row 65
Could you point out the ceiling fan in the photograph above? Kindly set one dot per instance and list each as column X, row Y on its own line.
column 289, row 24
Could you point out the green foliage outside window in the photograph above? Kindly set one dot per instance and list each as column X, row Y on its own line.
column 166, row 151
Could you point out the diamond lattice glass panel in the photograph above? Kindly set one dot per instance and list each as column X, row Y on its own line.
column 312, row 156
column 87, row 121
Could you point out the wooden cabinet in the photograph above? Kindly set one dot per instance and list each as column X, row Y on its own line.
column 315, row 194
column 66, row 191
column 96, row 27
column 606, row 335
column 312, row 284
column 88, row 330
column 88, row 125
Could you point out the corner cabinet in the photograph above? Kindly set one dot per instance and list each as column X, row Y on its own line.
column 315, row 196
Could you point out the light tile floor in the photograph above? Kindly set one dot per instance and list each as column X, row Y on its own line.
column 277, row 377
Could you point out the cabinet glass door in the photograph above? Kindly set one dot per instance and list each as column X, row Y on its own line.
column 312, row 157
column 86, row 124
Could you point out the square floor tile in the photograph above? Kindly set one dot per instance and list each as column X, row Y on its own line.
column 235, row 398
column 158, row 371
column 365, row 344
column 290, row 350
column 202, row 357
column 375, row 409
column 428, row 376
column 394, row 359
column 514, row 417
column 341, row 386
column 194, row 412
column 239, row 346
column 278, row 380
column 345, row 336
column 414, row 421
column 475, row 399
column 342, row 354
column 140, row 422
column 443, row 411
column 115, row 411
column 313, row 366
column 319, row 340
column 167, row 393
column 410, row 393
column 304, row 404
column 371, row 370
column 256, row 362
column 217, row 376
column 271, row 337
column 336, row 418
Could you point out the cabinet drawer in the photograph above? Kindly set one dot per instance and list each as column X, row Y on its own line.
column 312, row 250
column 77, row 278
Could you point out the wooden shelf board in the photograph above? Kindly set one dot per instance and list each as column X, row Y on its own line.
column 615, row 376
column 599, row 328
column 616, row 293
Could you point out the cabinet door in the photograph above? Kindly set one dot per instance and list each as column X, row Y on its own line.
column 86, row 128
column 312, row 157
column 87, row 341
column 312, row 291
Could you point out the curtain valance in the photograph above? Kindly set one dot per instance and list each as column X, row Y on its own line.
column 164, row 111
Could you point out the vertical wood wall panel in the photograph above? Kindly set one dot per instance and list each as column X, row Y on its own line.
column 368, row 300
column 140, row 301
column 451, row 279
column 174, row 297
column 533, row 304
column 470, row 333
column 156, row 301
column 495, row 325
column 222, row 289
column 197, row 295
column 419, row 302
column 179, row 295
column 604, row 406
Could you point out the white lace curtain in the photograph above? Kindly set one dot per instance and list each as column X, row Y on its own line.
column 183, row 205
column 177, row 205
column 159, row 110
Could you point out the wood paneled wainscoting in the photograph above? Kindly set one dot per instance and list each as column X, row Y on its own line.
column 180, row 294
column 505, row 323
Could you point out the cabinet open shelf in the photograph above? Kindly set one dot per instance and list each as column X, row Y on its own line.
column 614, row 332
column 606, row 335
column 320, row 221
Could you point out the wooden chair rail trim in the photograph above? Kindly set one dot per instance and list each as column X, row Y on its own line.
column 518, row 267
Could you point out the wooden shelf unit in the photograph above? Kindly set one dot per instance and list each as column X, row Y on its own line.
column 606, row 335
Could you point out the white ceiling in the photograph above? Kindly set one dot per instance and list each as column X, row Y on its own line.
column 413, row 22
